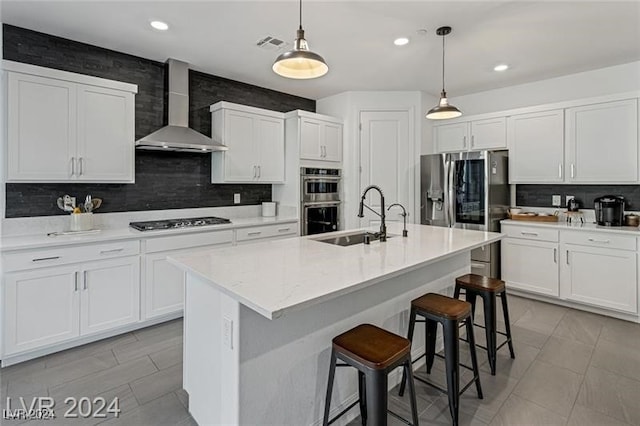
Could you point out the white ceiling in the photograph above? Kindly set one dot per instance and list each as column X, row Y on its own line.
column 539, row 39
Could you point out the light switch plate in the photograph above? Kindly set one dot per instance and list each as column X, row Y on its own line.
column 556, row 200
column 236, row 198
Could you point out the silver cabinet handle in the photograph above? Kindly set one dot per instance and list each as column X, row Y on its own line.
column 254, row 233
column 473, row 140
column 555, row 255
column 255, row 171
column 283, row 229
column 599, row 241
column 567, row 257
column 84, row 279
column 572, row 171
column 535, row 234
column 80, row 166
column 73, row 166
column 40, row 259
column 259, row 171
column 464, row 141
column 76, row 281
column 560, row 170
column 111, row 251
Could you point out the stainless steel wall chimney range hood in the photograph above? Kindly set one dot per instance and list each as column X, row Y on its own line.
column 177, row 136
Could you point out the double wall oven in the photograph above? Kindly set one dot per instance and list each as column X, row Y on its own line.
column 320, row 200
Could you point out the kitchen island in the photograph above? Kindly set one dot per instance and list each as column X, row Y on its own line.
column 259, row 319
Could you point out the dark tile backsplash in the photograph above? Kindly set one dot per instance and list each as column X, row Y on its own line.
column 163, row 180
column 540, row 195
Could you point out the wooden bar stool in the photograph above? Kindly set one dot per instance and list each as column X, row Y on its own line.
column 449, row 312
column 488, row 289
column 375, row 353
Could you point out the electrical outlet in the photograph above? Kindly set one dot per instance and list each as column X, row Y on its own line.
column 236, row 198
column 227, row 332
column 556, row 200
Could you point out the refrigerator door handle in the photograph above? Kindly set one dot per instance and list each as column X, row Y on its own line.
column 450, row 207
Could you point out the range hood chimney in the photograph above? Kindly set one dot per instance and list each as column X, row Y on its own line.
column 177, row 136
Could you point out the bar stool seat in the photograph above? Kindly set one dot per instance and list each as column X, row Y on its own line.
column 488, row 289
column 442, row 306
column 374, row 352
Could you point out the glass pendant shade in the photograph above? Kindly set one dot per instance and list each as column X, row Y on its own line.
column 443, row 110
column 300, row 62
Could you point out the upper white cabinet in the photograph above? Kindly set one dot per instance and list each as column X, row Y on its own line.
column 319, row 137
column 536, row 147
column 471, row 135
column 609, row 129
column 66, row 127
column 255, row 138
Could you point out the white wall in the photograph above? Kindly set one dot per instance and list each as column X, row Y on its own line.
column 348, row 105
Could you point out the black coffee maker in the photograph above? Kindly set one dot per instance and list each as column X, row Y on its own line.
column 609, row 210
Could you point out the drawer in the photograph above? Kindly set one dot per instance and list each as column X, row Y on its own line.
column 268, row 231
column 599, row 239
column 29, row 259
column 531, row 233
column 189, row 240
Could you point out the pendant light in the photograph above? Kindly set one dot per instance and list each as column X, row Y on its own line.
column 443, row 110
column 300, row 62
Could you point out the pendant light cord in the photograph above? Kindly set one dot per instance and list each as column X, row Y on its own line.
column 300, row 14
column 442, row 61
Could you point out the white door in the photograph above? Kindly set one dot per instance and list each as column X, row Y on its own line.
column 164, row 286
column 269, row 145
column 310, row 144
column 451, row 137
column 385, row 159
column 536, row 147
column 600, row 277
column 41, row 308
column 530, row 265
column 241, row 160
column 332, row 142
column 110, row 294
column 105, row 134
column 41, row 128
column 489, row 134
column 593, row 130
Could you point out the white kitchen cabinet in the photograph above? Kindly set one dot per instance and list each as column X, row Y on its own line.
column 472, row 135
column 110, row 295
column 65, row 127
column 40, row 308
column 255, row 138
column 536, row 147
column 531, row 265
column 320, row 136
column 610, row 127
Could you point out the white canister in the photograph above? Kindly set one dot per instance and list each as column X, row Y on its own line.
column 81, row 221
column 269, row 209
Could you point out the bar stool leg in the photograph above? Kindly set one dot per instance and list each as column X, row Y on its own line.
column 327, row 401
column 474, row 356
column 412, row 325
column 489, row 301
column 507, row 322
column 362, row 394
column 376, row 395
column 431, row 333
column 408, row 370
column 470, row 296
column 451, row 357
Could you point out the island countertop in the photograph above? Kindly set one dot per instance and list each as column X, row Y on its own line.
column 274, row 277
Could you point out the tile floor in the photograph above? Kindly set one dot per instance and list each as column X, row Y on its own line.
column 571, row 368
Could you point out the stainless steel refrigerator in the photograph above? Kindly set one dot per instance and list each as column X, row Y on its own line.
column 468, row 190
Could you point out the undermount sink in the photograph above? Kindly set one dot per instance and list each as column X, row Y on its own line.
column 348, row 239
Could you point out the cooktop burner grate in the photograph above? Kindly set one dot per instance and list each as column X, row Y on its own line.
column 153, row 225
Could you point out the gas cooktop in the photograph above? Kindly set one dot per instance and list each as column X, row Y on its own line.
column 153, row 225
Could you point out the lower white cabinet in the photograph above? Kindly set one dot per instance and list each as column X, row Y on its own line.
column 531, row 265
column 164, row 286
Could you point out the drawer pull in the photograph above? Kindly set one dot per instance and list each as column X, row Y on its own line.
column 535, row 234
column 111, row 251
column 254, row 233
column 45, row 258
column 284, row 229
column 593, row 240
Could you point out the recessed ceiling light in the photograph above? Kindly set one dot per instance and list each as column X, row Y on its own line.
column 501, row 67
column 401, row 41
column 159, row 25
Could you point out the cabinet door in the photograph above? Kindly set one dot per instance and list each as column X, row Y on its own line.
column 41, row 128
column 536, row 147
column 40, row 308
column 593, row 130
column 269, row 142
column 105, row 134
column 332, row 142
column 451, row 137
column 164, row 286
column 310, row 143
column 110, row 294
column 241, row 160
column 601, row 277
column 530, row 265
column 489, row 134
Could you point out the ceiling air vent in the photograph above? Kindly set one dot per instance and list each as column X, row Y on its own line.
column 272, row 43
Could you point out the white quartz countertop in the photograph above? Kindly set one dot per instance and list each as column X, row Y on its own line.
column 43, row 240
column 565, row 226
column 273, row 277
